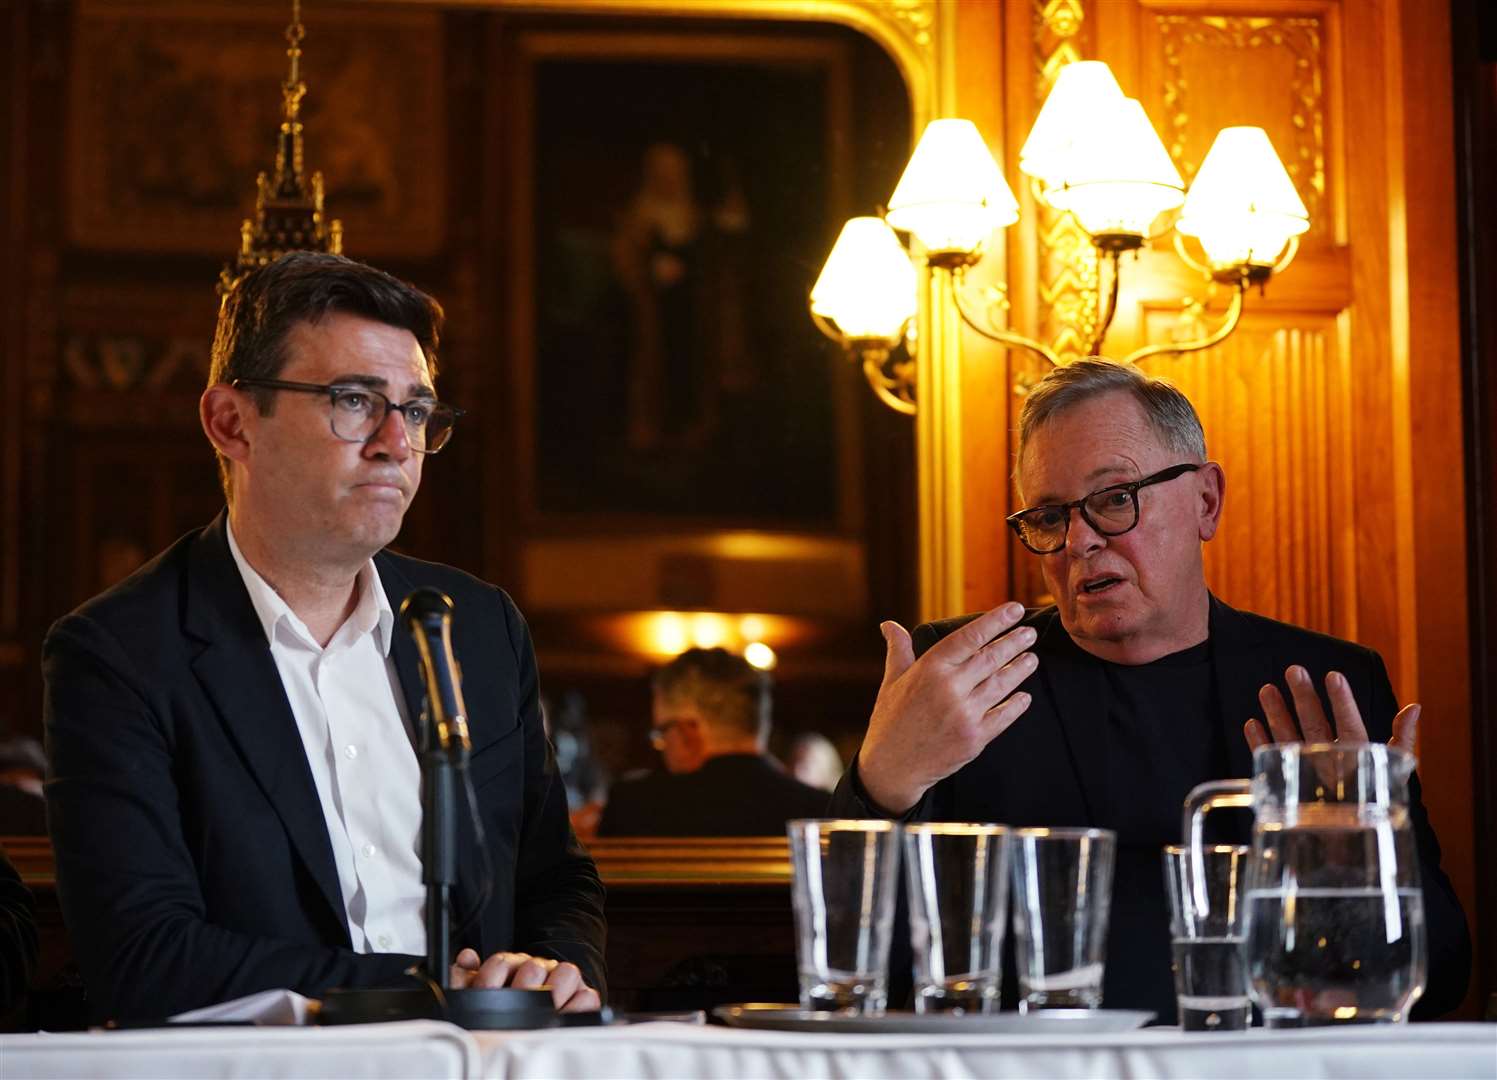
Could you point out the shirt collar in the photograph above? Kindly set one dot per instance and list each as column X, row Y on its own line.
column 372, row 613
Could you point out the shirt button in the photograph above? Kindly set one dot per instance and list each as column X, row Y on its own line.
column 368, row 850
column 383, row 941
column 350, row 751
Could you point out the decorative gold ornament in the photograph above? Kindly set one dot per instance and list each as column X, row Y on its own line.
column 288, row 208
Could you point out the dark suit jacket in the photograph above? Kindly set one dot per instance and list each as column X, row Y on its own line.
column 193, row 860
column 1051, row 768
column 730, row 795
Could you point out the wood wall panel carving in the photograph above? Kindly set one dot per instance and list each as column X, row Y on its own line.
column 1273, row 400
column 1206, row 71
column 162, row 98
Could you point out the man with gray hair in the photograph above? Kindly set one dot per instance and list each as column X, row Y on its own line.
column 1106, row 708
column 711, row 726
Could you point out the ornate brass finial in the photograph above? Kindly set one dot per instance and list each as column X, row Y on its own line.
column 288, row 210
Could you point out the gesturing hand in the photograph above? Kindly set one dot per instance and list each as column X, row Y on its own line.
column 935, row 714
column 525, row 972
column 1312, row 725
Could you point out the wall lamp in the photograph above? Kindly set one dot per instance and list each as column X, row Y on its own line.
column 1092, row 153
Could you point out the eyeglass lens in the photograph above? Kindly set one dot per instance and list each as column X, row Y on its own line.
column 358, row 414
column 1111, row 512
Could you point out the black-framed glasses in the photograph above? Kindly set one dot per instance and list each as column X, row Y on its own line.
column 358, row 412
column 1111, row 511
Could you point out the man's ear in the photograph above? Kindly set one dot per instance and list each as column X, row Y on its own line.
column 222, row 410
column 1212, row 488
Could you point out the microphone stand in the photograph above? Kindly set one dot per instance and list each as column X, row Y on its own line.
column 444, row 750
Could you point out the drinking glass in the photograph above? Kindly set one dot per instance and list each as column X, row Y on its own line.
column 1206, row 941
column 1062, row 896
column 844, row 874
column 958, row 880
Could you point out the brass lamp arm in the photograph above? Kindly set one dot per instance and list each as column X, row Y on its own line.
column 1003, row 337
column 1234, row 315
column 895, row 388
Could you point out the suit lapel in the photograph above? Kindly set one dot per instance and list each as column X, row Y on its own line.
column 402, row 648
column 239, row 675
column 1237, row 659
column 1077, row 687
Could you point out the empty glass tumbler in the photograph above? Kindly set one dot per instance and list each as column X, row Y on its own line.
column 1062, row 897
column 844, row 874
column 958, row 879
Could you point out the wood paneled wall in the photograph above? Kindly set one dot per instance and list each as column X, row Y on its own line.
column 1335, row 409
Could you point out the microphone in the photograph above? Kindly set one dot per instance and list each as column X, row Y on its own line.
column 427, row 614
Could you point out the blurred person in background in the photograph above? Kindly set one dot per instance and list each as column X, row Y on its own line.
column 711, row 726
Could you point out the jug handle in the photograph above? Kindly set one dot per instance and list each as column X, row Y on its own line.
column 1203, row 798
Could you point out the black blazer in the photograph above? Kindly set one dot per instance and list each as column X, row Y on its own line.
column 730, row 795
column 1051, row 768
column 193, row 861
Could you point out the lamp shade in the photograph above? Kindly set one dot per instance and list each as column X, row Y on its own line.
column 1242, row 206
column 1082, row 90
column 867, row 288
column 1117, row 176
column 952, row 196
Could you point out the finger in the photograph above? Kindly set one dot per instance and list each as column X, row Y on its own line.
column 584, row 1000
column 564, row 982
column 962, row 643
column 899, row 652
column 1312, row 720
column 1002, row 652
column 496, row 970
column 996, row 688
column 1256, row 734
column 468, row 959
column 1000, row 718
column 1406, row 728
column 1281, row 725
column 459, row 977
column 1349, row 726
column 532, row 974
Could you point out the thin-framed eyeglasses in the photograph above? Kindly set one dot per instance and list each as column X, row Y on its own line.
column 659, row 732
column 1111, row 511
column 359, row 411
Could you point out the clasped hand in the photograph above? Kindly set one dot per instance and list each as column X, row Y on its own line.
column 525, row 972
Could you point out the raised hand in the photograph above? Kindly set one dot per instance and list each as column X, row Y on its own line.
column 935, row 714
column 1307, row 722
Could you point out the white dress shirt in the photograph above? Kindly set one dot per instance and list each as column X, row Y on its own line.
column 350, row 712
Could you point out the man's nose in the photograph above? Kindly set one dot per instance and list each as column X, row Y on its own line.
column 1081, row 538
column 390, row 439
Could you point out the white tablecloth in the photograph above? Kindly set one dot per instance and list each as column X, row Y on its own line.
column 670, row 1051
column 415, row 1048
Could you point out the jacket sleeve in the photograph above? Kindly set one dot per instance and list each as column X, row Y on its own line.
column 558, row 895
column 140, row 929
column 1447, row 936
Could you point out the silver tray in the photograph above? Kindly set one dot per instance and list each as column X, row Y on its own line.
column 776, row 1017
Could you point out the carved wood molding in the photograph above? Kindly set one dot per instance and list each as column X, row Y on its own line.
column 1302, row 37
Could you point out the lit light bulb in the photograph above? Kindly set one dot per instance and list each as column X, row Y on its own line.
column 867, row 288
column 951, row 195
column 1117, row 177
column 1243, row 206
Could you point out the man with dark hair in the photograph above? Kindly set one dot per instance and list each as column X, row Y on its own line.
column 234, row 794
column 1108, row 707
column 711, row 713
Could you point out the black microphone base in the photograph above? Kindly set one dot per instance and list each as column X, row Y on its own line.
column 505, row 1009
